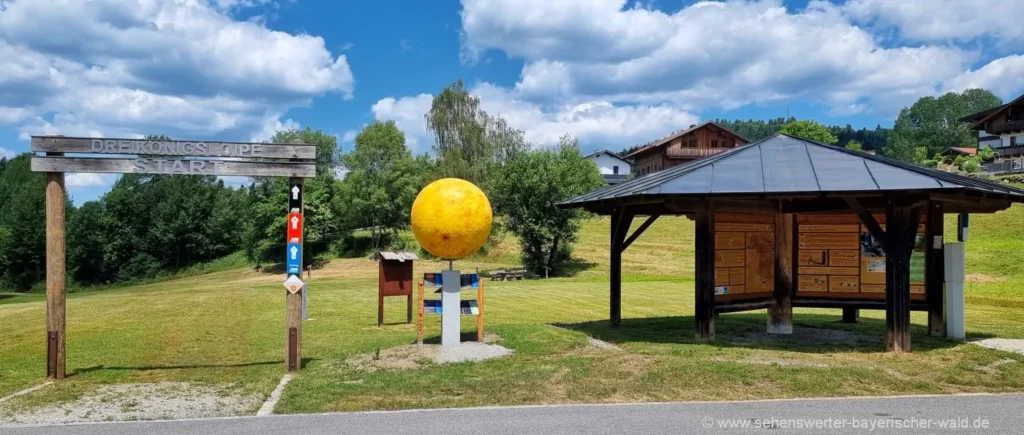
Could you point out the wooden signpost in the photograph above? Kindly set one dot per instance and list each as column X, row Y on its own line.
column 168, row 157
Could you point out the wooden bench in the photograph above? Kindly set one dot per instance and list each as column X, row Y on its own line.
column 506, row 275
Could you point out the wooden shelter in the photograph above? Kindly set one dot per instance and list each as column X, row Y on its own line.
column 394, row 279
column 786, row 222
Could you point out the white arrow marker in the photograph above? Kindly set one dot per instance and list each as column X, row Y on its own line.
column 295, row 253
column 295, row 222
column 295, row 192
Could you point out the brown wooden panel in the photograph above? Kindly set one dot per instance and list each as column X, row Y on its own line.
column 812, row 257
column 172, row 167
column 729, row 240
column 835, row 228
column 917, row 289
column 743, row 218
column 736, row 289
column 834, row 219
column 872, row 288
column 843, row 284
column 742, row 296
column 844, row 258
column 845, row 271
column 745, row 227
column 760, row 261
column 730, row 258
column 813, row 283
column 721, row 276
column 867, row 277
column 737, row 275
column 830, row 240
column 153, row 147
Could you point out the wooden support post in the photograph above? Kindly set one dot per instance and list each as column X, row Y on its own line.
column 851, row 315
column 55, row 275
column 900, row 228
column 619, row 226
column 408, row 308
column 780, row 313
column 293, row 316
column 419, row 315
column 380, row 309
column 704, row 269
column 480, row 312
column 935, row 270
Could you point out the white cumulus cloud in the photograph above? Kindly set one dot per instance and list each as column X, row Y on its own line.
column 597, row 124
column 89, row 180
column 709, row 54
column 182, row 68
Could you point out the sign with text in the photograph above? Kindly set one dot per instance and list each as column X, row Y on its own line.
column 294, row 227
column 174, row 157
column 433, row 306
column 469, row 280
column 293, row 258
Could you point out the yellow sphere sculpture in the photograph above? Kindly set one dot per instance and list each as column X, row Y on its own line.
column 451, row 218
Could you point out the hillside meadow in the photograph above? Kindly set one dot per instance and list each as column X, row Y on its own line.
column 227, row 328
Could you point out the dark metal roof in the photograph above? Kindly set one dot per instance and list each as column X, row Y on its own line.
column 785, row 165
column 597, row 153
column 977, row 118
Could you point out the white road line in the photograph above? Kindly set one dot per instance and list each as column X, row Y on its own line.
column 268, row 406
column 24, row 392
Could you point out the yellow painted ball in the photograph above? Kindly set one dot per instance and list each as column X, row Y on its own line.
column 451, row 218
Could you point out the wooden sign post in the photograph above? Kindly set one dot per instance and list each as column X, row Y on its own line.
column 294, row 299
column 154, row 156
column 55, row 275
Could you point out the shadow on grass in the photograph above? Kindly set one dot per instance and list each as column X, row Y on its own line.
column 99, row 368
column 812, row 333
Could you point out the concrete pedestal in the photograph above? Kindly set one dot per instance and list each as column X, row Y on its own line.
column 451, row 309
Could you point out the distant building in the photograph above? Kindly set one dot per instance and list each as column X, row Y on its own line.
column 959, row 151
column 698, row 141
column 1002, row 128
column 615, row 169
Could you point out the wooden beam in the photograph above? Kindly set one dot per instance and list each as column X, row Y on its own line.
column 780, row 312
column 56, row 273
column 704, row 270
column 192, row 148
column 173, row 167
column 869, row 222
column 851, row 315
column 935, row 270
column 640, row 230
column 899, row 245
column 620, row 222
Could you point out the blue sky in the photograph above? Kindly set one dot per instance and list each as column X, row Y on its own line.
column 612, row 73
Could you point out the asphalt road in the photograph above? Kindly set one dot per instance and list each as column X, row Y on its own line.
column 992, row 414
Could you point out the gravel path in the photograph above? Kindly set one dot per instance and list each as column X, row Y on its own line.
column 121, row 402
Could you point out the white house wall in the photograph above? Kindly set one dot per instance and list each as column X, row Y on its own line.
column 606, row 164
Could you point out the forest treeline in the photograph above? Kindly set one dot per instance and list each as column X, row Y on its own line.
column 149, row 225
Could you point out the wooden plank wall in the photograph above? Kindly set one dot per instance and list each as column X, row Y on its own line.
column 744, row 256
column 832, row 262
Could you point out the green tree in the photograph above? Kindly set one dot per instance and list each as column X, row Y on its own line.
column 932, row 122
column 854, row 145
column 22, row 224
column 468, row 142
column 809, row 130
column 382, row 182
column 263, row 233
column 86, row 237
column 526, row 191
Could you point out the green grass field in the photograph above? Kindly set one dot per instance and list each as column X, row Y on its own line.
column 227, row 327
